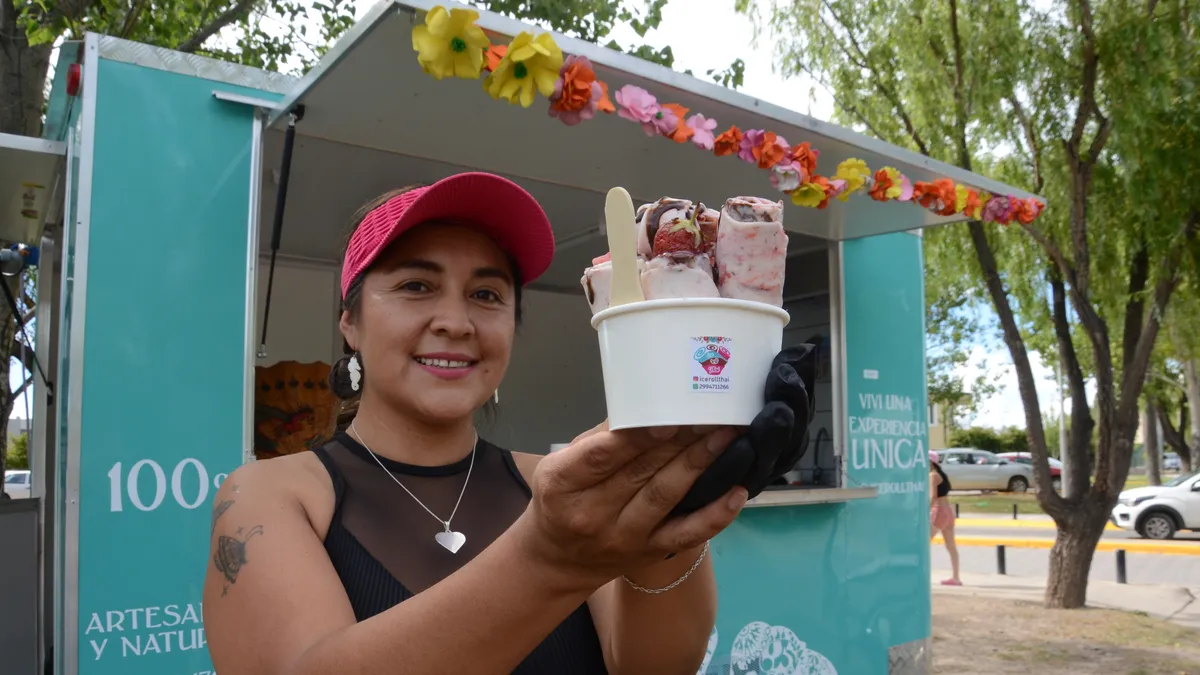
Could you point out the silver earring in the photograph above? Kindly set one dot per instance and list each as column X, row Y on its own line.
column 355, row 369
column 496, row 397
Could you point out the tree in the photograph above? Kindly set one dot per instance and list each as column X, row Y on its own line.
column 18, row 452
column 1097, row 101
column 953, row 324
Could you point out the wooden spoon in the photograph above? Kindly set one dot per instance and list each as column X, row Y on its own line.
column 622, row 246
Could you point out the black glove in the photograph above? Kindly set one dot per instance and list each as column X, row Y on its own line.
column 776, row 439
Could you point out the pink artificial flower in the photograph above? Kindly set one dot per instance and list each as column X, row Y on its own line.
column 786, row 175
column 703, row 127
column 750, row 139
column 638, row 105
column 664, row 124
column 994, row 210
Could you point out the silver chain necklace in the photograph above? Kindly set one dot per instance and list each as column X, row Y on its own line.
column 447, row 539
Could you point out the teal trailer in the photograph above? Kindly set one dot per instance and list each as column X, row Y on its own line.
column 162, row 243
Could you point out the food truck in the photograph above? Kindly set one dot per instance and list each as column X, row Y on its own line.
column 189, row 217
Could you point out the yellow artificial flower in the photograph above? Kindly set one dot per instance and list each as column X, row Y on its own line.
column 855, row 173
column 530, row 62
column 896, row 188
column 808, row 194
column 449, row 44
column 960, row 197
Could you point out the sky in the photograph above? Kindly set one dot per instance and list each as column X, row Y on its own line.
column 683, row 21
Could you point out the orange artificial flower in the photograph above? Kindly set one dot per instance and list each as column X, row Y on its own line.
column 804, row 156
column 883, row 182
column 768, row 152
column 728, row 142
column 973, row 206
column 605, row 104
column 938, row 196
column 577, row 79
column 1028, row 210
column 494, row 54
column 825, row 185
column 682, row 131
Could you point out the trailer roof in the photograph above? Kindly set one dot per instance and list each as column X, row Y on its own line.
column 369, row 91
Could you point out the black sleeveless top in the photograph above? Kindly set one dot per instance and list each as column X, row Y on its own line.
column 381, row 541
column 943, row 487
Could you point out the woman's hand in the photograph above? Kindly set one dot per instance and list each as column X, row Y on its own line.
column 776, row 439
column 601, row 506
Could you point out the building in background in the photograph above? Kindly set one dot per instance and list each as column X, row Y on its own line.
column 943, row 421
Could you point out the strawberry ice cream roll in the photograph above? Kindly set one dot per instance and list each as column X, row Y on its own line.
column 751, row 250
column 679, row 275
column 597, row 282
column 670, row 212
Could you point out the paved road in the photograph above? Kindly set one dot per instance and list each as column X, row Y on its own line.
column 1027, row 526
column 1027, row 542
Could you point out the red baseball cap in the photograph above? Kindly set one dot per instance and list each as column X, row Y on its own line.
column 495, row 206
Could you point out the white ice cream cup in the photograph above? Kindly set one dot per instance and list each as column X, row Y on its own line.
column 687, row 360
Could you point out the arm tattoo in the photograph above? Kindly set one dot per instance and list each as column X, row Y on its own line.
column 230, row 556
column 218, row 511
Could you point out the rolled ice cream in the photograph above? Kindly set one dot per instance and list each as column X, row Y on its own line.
column 679, row 275
column 751, row 250
column 681, row 244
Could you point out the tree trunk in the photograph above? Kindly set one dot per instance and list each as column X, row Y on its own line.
column 6, row 393
column 1150, row 443
column 22, row 77
column 1191, row 377
column 1071, row 555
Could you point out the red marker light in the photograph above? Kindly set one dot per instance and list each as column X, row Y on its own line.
column 74, row 75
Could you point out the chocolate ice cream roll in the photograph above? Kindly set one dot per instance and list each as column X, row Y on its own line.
column 751, row 250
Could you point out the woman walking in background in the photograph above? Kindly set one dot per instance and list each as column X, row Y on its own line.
column 941, row 515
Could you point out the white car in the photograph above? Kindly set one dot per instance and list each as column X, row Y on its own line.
column 1171, row 462
column 1159, row 511
column 18, row 483
column 970, row 469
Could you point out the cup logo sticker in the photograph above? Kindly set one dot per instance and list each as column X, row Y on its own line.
column 711, row 356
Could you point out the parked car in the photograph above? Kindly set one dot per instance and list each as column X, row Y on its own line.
column 1159, row 511
column 970, row 469
column 17, row 483
column 1026, row 458
column 1171, row 462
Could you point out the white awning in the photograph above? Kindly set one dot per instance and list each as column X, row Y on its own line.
column 29, row 171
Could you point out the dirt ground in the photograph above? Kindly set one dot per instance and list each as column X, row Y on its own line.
column 988, row 636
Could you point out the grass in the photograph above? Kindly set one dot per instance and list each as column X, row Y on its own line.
column 1002, row 502
column 997, row 502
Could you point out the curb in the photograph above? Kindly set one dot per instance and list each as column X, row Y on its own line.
column 1000, row 523
column 1129, row 546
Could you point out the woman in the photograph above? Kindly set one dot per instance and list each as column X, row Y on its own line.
column 941, row 515
column 407, row 544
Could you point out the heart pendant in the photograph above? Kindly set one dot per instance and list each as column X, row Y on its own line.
column 451, row 541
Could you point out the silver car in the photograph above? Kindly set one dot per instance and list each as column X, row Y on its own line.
column 971, row 469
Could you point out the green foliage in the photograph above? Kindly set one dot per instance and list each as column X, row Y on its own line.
column 594, row 20
column 17, row 456
column 1010, row 439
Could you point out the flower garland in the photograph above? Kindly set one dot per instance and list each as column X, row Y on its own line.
column 449, row 44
